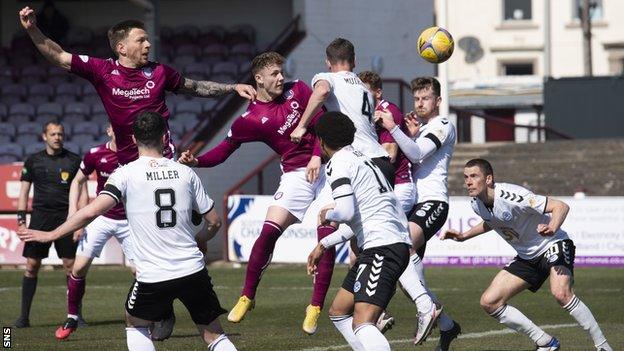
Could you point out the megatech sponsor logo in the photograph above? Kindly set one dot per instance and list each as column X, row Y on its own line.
column 135, row 93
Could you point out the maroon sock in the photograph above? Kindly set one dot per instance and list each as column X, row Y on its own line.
column 75, row 292
column 260, row 257
column 325, row 269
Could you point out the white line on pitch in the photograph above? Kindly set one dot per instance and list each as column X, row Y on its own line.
column 462, row 336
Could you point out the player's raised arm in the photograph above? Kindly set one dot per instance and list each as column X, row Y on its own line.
column 559, row 210
column 46, row 46
column 206, row 88
column 76, row 193
column 319, row 95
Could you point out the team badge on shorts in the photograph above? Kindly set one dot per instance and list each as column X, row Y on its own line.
column 551, row 256
column 507, row 216
column 421, row 213
column 357, row 286
column 278, row 195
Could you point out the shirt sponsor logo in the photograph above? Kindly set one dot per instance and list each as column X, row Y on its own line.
column 291, row 119
column 104, row 174
column 135, row 93
column 150, row 84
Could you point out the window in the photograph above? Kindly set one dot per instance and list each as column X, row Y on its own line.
column 517, row 69
column 595, row 9
column 517, row 10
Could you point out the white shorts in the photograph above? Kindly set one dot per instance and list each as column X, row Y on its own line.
column 99, row 231
column 406, row 193
column 295, row 193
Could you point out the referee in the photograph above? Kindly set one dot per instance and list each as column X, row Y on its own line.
column 51, row 171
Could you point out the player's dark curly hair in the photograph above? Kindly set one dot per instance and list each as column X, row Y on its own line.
column 120, row 31
column 148, row 129
column 420, row 83
column 371, row 78
column 483, row 165
column 335, row 129
column 340, row 50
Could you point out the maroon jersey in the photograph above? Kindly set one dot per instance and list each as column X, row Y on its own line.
column 103, row 161
column 402, row 172
column 125, row 92
column 271, row 123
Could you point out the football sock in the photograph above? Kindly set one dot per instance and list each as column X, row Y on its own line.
column 583, row 316
column 75, row 292
column 29, row 286
column 325, row 268
column 344, row 324
column 444, row 321
column 260, row 257
column 371, row 337
column 138, row 339
column 222, row 343
column 412, row 284
column 514, row 319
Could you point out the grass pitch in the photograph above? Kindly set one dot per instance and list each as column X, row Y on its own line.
column 275, row 323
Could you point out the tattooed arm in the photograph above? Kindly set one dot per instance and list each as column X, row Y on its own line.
column 205, row 88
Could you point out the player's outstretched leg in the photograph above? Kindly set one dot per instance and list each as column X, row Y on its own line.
column 494, row 302
column 561, row 288
column 322, row 280
column 341, row 315
column 259, row 260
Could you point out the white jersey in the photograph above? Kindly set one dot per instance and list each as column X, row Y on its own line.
column 351, row 97
column 379, row 219
column 431, row 174
column 515, row 216
column 159, row 195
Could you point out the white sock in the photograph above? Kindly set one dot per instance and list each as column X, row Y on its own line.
column 583, row 316
column 222, row 343
column 138, row 339
column 444, row 321
column 344, row 324
column 415, row 287
column 371, row 338
column 514, row 319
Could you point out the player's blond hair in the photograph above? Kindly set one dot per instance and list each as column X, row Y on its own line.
column 266, row 59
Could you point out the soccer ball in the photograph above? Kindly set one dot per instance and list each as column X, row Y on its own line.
column 435, row 44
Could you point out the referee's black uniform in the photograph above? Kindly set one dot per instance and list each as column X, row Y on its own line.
column 52, row 176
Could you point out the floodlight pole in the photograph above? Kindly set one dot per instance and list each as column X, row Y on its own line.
column 152, row 25
column 586, row 26
column 547, row 43
column 443, row 67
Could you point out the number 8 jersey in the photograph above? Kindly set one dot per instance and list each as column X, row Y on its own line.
column 159, row 196
column 515, row 216
column 379, row 219
column 351, row 97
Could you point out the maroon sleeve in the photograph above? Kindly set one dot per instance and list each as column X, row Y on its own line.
column 87, row 166
column 217, row 154
column 89, row 68
column 173, row 78
column 384, row 135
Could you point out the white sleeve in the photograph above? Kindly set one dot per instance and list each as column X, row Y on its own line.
column 339, row 179
column 323, row 76
column 342, row 234
column 116, row 185
column 202, row 203
column 416, row 150
column 344, row 210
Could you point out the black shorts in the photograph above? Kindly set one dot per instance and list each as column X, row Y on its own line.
column 386, row 167
column 65, row 247
column 536, row 271
column 154, row 301
column 376, row 271
column 430, row 216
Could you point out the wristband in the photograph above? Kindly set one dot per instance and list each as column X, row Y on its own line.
column 21, row 217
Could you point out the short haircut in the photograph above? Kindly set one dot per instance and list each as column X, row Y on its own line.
column 51, row 122
column 265, row 60
column 340, row 50
column 420, row 83
column 120, row 31
column 483, row 165
column 335, row 129
column 371, row 78
column 149, row 128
